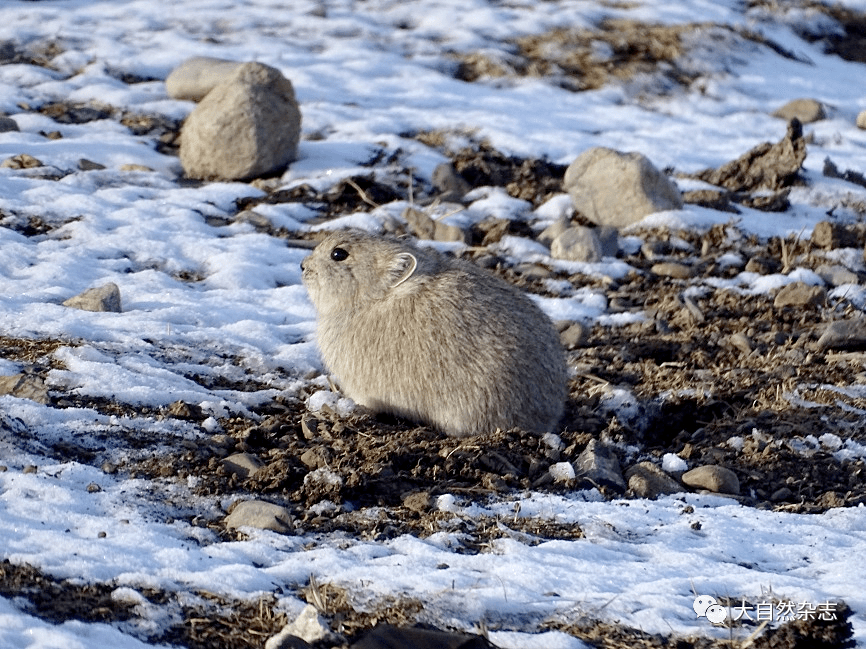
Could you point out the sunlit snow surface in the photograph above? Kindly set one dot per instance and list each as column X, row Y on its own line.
column 365, row 73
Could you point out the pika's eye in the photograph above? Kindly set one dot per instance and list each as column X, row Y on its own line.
column 339, row 254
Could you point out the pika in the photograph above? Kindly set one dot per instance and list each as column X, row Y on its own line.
column 415, row 333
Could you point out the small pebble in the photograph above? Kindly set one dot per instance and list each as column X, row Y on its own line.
column 673, row 270
column 714, row 478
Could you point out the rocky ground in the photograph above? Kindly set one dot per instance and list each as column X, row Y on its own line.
column 702, row 367
column 730, row 362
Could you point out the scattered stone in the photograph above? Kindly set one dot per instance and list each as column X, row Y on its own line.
column 599, row 465
column 801, row 295
column 781, row 494
column 836, row 275
column 89, row 165
column 804, row 110
column 673, row 270
column 844, row 335
column 561, row 472
column 242, row 465
column 609, row 237
column 491, row 230
column 103, row 298
column 25, row 386
column 849, row 175
column 308, row 626
column 21, row 161
column 247, row 126
column 66, row 112
column 766, row 167
column 577, row 243
column 553, row 230
column 861, row 119
column 710, row 198
column 309, row 427
column 452, row 187
column 424, row 227
column 131, row 166
column 532, row 271
column 693, row 309
column 713, row 478
column 193, row 79
column 316, row 457
column 617, row 189
column 183, row 410
column 574, row 335
column 829, row 235
column 647, row 480
column 767, row 202
column 763, row 266
column 8, row 124
column 655, row 249
column 259, row 221
column 418, row 501
column 387, row 637
column 260, row 514
column 740, row 342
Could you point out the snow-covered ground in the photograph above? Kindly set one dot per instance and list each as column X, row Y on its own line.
column 365, row 73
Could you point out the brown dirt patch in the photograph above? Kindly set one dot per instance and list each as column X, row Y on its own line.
column 850, row 44
column 766, row 167
column 533, row 180
column 614, row 50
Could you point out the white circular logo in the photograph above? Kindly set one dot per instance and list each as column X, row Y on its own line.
column 702, row 603
column 716, row 613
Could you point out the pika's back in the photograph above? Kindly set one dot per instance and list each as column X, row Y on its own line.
column 415, row 333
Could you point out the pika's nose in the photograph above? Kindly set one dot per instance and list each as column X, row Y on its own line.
column 302, row 265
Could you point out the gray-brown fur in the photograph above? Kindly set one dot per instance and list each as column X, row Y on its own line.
column 412, row 332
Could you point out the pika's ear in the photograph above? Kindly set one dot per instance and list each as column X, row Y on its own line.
column 401, row 268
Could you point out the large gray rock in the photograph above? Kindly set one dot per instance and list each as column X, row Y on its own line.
column 646, row 480
column 805, row 110
column 247, row 126
column 242, row 465
column 617, row 189
column 844, row 334
column 800, row 295
column 101, row 298
column 260, row 514
column 714, row 478
column 599, row 465
column 196, row 77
